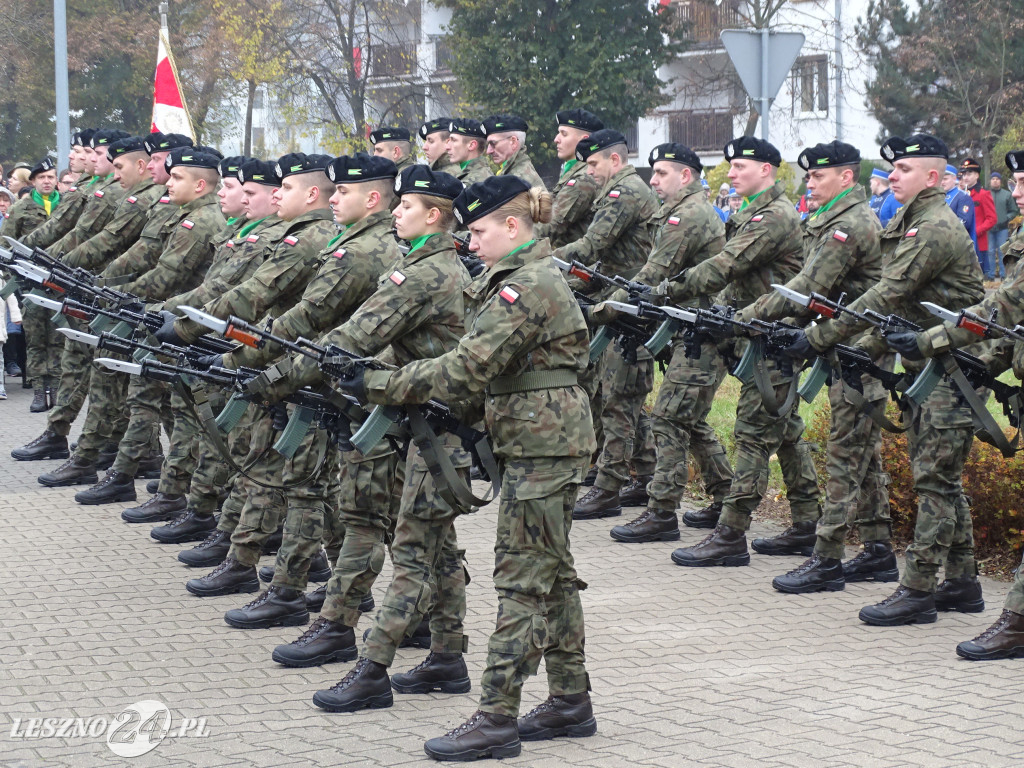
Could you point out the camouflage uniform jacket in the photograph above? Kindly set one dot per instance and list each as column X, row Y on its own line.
column 142, row 255
column 186, row 254
column 120, row 232
column 63, row 219
column 293, row 257
column 24, row 217
column 620, row 234
column 841, row 255
column 473, row 170
column 444, row 165
column 521, row 318
column 927, row 255
column 762, row 247
column 572, row 206
column 521, row 165
column 103, row 199
column 350, row 268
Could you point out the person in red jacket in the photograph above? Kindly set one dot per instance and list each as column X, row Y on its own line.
column 984, row 212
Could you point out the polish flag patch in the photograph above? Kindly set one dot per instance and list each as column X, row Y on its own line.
column 133, row 199
column 840, row 235
column 165, row 199
column 614, row 194
column 673, row 220
column 757, row 218
column 229, row 244
column 571, row 183
column 397, row 277
column 911, row 232
column 509, row 295
column 98, row 193
column 188, row 224
column 340, row 253
column 291, row 240
column 252, row 238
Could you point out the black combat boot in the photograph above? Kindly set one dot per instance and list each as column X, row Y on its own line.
column 444, row 672
column 483, row 735
column 226, row 579
column 275, row 607
column 74, row 471
column 366, row 605
column 188, row 526
column 418, row 638
column 273, row 542
column 149, row 468
column 798, row 539
column 703, row 518
column 209, row 553
column 961, row 594
column 366, row 686
column 724, row 546
column 325, row 641
column 1003, row 640
column 591, row 477
column 652, row 525
column 38, row 404
column 319, row 569
column 48, row 445
column 106, row 457
column 904, row 606
column 153, row 487
column 157, row 509
column 817, row 574
column 115, row 486
column 597, row 503
column 634, row 493
column 315, row 601
column 570, row 715
column 877, row 562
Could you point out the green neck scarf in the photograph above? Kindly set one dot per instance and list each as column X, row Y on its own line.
column 232, row 220
column 464, row 163
column 567, row 166
column 334, row 239
column 47, row 203
column 514, row 251
column 417, row 242
column 251, row 226
column 748, row 200
column 831, row 202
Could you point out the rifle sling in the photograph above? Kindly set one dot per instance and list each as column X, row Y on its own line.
column 985, row 427
column 874, row 412
column 763, row 382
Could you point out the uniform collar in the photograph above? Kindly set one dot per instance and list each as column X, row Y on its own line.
column 839, row 205
column 922, row 201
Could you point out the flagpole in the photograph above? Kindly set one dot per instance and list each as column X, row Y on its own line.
column 60, row 72
column 163, row 18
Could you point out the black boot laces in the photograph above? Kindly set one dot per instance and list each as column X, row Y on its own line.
column 314, row 631
column 352, row 675
column 808, row 565
column 899, row 593
column 467, row 726
column 208, row 541
column 545, row 706
column 260, row 599
column 640, row 520
column 182, row 519
column 995, row 629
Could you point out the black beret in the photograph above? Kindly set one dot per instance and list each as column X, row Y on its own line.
column 918, row 145
column 230, row 166
column 209, row 150
column 44, row 165
column 504, row 124
column 420, row 180
column 394, row 133
column 676, row 153
column 105, row 136
column 597, row 141
column 487, row 196
column 190, row 157
column 1015, row 160
column 752, row 148
column 437, row 125
column 125, row 147
column 82, row 138
column 297, row 162
column 259, row 172
column 970, row 164
column 579, row 118
column 349, row 169
column 829, row 155
column 165, row 142
column 467, row 126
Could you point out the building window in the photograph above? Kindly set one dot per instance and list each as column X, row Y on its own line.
column 257, row 99
column 632, row 134
column 701, row 131
column 810, row 86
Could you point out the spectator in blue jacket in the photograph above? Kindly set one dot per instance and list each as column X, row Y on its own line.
column 959, row 201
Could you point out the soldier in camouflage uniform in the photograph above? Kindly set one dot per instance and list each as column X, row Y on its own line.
column 576, row 189
column 688, row 232
column 762, row 247
column 187, row 253
column 617, row 242
column 465, row 147
column 63, row 219
column 926, row 256
column 394, row 144
column 506, row 146
column 434, row 135
column 521, row 360
column 256, row 504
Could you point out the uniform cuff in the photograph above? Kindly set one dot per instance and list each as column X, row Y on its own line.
column 376, row 383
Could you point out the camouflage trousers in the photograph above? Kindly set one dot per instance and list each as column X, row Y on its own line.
column 211, row 476
column 539, row 610
column 427, row 566
column 939, row 439
column 1015, row 598
column 857, row 490
column 106, row 417
column 680, row 427
column 361, row 527
column 75, row 372
column 758, row 435
column 182, row 458
column 147, row 406
column 624, row 388
column 43, row 345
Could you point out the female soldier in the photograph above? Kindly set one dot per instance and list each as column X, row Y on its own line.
column 526, row 344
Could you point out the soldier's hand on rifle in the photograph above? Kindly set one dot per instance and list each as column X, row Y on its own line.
column 905, row 342
column 205, row 362
column 353, row 384
column 799, row 348
column 661, row 294
column 601, row 314
column 279, row 416
column 262, row 390
column 168, row 335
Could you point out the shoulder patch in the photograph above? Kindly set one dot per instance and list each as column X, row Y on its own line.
column 72, row 189
column 98, row 193
column 673, row 220
column 340, row 253
column 509, row 294
column 133, row 199
column 757, row 218
column 252, row 238
column 840, row 235
column 397, row 277
column 571, row 183
column 911, row 232
column 614, row 194
column 165, row 199
column 229, row 244
column 967, row 208
column 291, row 240
column 187, row 224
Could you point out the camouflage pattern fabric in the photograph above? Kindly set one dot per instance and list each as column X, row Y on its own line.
column 572, row 206
column 123, row 229
column 473, row 170
column 521, row 165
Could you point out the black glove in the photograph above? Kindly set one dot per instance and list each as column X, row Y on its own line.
column 905, row 342
column 279, row 416
column 354, row 385
column 205, row 362
column 166, row 333
column 799, row 348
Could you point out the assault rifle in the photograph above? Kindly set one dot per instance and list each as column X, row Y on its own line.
column 987, row 328
column 469, row 260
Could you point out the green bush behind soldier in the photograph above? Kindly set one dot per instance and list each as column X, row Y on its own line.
column 465, row 148
column 688, row 232
column 617, row 241
column 763, row 245
column 506, row 147
column 926, row 256
column 434, row 135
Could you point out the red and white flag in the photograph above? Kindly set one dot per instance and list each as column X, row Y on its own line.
column 169, row 112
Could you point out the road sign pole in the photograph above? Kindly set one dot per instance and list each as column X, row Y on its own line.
column 766, row 102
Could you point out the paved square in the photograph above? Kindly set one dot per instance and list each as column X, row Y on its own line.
column 690, row 666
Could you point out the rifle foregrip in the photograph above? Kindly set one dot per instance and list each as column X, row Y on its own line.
column 815, row 380
column 925, row 382
column 295, row 431
column 661, row 337
column 232, row 413
column 374, row 428
column 599, row 343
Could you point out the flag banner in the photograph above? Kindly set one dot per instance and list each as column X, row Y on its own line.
column 169, row 112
